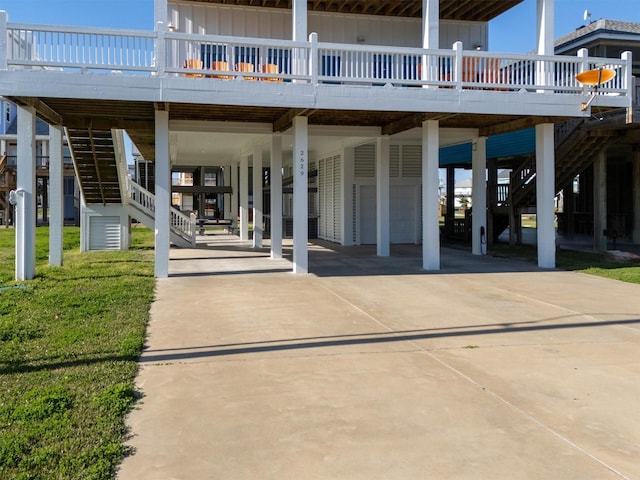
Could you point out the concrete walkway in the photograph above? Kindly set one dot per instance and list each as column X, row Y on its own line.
column 369, row 368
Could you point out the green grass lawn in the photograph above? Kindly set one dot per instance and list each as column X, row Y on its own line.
column 593, row 263
column 69, row 343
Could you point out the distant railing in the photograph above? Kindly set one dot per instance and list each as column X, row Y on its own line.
column 163, row 52
column 42, row 161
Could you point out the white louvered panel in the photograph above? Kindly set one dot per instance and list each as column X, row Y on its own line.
column 411, row 161
column 354, row 213
column 104, row 233
column 322, row 227
column 365, row 161
column 394, row 161
column 337, row 198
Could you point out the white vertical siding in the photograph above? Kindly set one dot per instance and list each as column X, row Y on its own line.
column 329, row 198
column 191, row 17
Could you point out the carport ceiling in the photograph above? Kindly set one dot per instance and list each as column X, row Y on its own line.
column 470, row 10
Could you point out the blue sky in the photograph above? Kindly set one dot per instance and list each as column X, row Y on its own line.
column 513, row 31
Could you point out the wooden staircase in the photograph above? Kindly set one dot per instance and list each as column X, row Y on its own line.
column 94, row 158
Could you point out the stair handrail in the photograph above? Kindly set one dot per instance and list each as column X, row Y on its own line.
column 3, row 163
column 144, row 200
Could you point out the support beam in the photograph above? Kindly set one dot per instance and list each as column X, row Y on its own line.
column 635, row 234
column 600, row 201
column 382, row 197
column 162, row 194
column 545, row 193
column 56, row 195
column 545, row 17
column 299, row 19
column 244, row 197
column 430, row 24
column 300, row 195
column 257, row 197
column 235, row 196
column 25, row 218
column 275, row 178
column 479, row 232
column 227, row 200
column 430, row 203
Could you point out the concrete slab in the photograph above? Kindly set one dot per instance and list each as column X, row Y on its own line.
column 372, row 368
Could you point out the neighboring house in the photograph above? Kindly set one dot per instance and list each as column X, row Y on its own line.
column 343, row 109
column 8, row 163
column 462, row 193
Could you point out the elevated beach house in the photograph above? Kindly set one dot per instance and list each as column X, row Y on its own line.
column 340, row 107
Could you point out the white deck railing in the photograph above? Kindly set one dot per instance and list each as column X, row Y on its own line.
column 223, row 58
column 145, row 201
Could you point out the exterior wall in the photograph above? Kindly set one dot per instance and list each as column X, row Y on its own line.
column 359, row 193
column 199, row 18
column 104, row 227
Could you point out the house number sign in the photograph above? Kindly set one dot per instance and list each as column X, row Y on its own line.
column 301, row 162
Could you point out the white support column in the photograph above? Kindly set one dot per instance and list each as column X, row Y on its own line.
column 244, row 197
column 479, row 232
column 635, row 235
column 600, row 201
column 545, row 17
column 545, row 194
column 430, row 24
column 25, row 217
column 227, row 199
column 276, row 196
column 257, row 197
column 162, row 194
column 430, row 203
column 300, row 195
column 299, row 19
column 235, row 195
column 56, row 195
column 382, row 196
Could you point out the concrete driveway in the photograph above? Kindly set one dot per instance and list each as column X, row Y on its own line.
column 369, row 368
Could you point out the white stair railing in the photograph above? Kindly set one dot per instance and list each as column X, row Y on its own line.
column 145, row 201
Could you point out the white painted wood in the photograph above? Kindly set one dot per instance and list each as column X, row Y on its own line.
column 25, row 210
column 382, row 196
column 235, row 195
column 545, row 194
column 300, row 195
column 228, row 199
column 257, row 197
column 635, row 235
column 347, row 198
column 479, row 233
column 431, row 23
column 56, row 195
column 600, row 201
column 104, row 232
column 244, row 197
column 404, row 210
column 367, row 208
column 276, row 196
column 430, row 201
column 299, row 20
column 545, row 14
column 162, row 194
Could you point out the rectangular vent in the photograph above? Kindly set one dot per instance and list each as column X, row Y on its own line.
column 365, row 161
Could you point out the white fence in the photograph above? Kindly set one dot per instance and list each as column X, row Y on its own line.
column 223, row 58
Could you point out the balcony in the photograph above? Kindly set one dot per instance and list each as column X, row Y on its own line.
column 164, row 54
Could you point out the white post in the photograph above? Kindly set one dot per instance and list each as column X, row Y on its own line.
column 382, row 196
column 430, row 201
column 235, row 185
column 276, row 196
column 479, row 232
column 227, row 199
column 600, row 201
column 25, row 217
column 299, row 19
column 545, row 193
column 300, row 195
column 162, row 194
column 545, row 18
column 257, row 196
column 3, row 40
column 56, row 195
column 430, row 24
column 244, row 197
column 635, row 235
